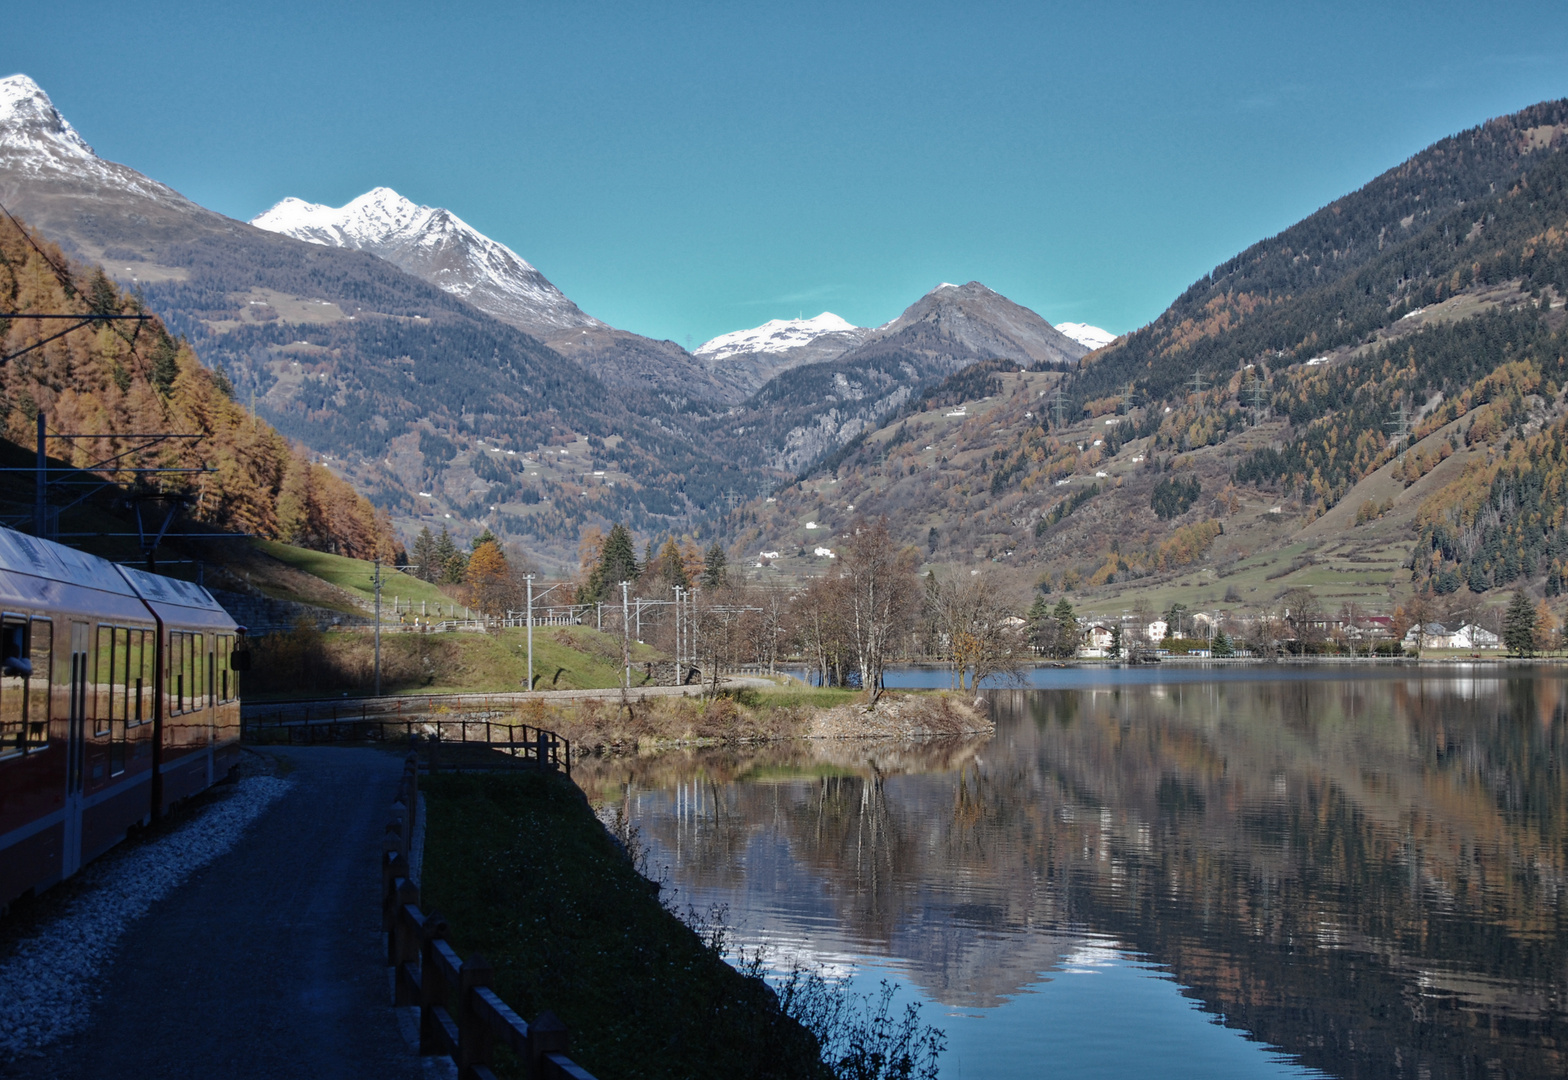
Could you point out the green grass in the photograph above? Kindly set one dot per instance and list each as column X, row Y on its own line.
column 525, row 875
column 355, row 575
column 306, row 664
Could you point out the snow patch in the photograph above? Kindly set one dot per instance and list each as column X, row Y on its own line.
column 1091, row 337
column 774, row 336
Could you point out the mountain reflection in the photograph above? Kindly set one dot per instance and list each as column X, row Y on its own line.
column 1367, row 873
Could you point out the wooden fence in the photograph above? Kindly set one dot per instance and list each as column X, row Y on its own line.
column 459, row 1014
column 495, row 727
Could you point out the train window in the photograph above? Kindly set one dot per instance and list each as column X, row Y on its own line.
column 13, row 688
column 228, row 679
column 177, row 672
column 40, row 652
column 138, row 677
column 196, row 658
column 103, row 680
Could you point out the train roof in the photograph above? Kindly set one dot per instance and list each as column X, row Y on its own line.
column 46, row 559
column 155, row 588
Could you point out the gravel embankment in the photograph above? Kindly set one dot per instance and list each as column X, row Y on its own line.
column 49, row 983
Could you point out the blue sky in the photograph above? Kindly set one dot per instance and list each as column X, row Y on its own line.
column 685, row 170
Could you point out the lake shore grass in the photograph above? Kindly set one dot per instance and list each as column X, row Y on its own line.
column 526, row 875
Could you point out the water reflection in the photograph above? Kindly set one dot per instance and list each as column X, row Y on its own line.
column 1367, row 873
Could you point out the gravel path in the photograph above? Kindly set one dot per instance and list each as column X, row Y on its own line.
column 267, row 961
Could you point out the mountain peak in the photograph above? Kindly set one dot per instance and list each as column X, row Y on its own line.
column 1092, row 337
column 774, row 336
column 437, row 245
column 29, row 120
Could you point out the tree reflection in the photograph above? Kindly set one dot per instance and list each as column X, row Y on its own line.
column 1367, row 873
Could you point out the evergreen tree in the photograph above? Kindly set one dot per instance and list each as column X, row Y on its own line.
column 931, row 540
column 1221, row 645
column 486, row 537
column 1040, row 626
column 1066, row 620
column 424, row 555
column 617, row 563
column 1519, row 625
column 714, row 573
column 450, row 564
column 165, row 364
column 1116, row 642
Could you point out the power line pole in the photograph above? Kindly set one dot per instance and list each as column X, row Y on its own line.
column 1127, row 398
column 378, row 626
column 530, row 579
column 1401, row 429
column 626, row 639
column 1259, row 397
column 1059, row 407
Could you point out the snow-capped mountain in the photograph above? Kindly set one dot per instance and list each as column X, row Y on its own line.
column 777, row 336
column 747, row 359
column 39, row 144
column 438, row 246
column 1092, row 337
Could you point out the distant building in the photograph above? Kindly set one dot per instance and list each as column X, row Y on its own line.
column 1097, row 636
column 1157, row 630
column 1470, row 636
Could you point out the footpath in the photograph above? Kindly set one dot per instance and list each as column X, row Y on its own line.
column 267, row 963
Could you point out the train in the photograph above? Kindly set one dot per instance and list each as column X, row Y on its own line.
column 119, row 697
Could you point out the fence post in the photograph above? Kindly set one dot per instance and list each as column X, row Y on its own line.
column 546, row 1035
column 540, row 751
column 475, row 1041
column 402, row 948
column 432, row 987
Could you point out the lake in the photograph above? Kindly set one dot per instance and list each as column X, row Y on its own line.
column 1187, row 872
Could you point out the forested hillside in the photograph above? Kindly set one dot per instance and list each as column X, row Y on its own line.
column 1409, row 238
column 110, row 379
column 1369, row 403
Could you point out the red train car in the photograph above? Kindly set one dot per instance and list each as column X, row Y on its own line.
column 118, row 697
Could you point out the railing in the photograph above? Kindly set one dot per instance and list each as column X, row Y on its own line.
column 503, row 734
column 459, row 1014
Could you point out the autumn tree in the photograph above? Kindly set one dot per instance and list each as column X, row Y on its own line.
column 487, row 580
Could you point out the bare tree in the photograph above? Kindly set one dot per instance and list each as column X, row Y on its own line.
column 984, row 636
column 880, row 583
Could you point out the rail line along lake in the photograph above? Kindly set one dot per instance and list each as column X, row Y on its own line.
column 1216, row 873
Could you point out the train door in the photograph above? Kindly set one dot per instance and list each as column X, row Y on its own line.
column 76, row 749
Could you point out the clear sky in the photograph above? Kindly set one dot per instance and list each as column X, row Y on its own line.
column 682, row 170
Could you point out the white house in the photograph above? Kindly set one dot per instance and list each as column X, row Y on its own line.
column 1157, row 630
column 1471, row 636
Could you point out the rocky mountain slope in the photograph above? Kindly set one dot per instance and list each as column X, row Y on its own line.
column 811, row 411
column 749, row 358
column 1378, row 412
column 438, row 246
column 422, row 400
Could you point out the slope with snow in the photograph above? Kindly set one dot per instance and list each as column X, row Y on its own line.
column 749, row 358
column 38, row 144
column 1091, row 337
column 438, row 246
column 775, row 336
